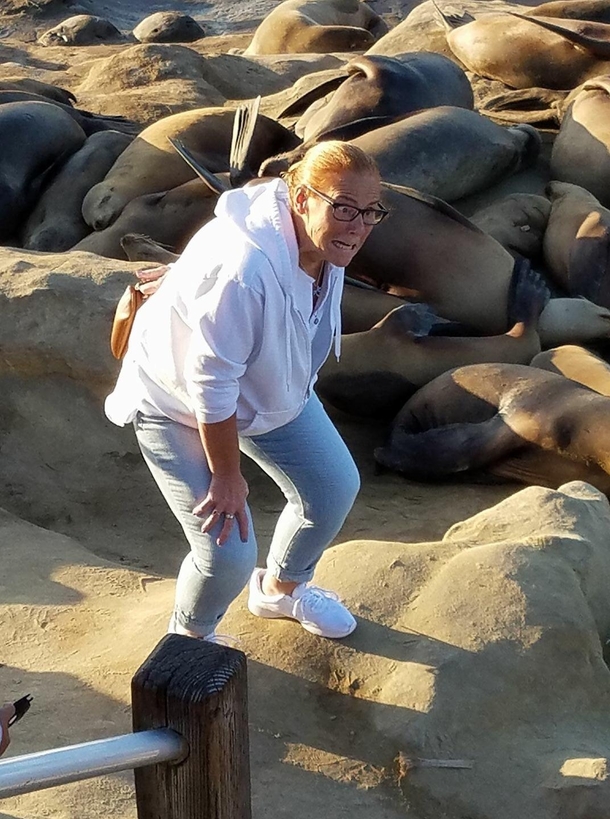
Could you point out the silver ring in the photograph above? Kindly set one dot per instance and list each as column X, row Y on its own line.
column 229, row 516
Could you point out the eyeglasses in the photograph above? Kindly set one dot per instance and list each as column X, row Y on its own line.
column 347, row 213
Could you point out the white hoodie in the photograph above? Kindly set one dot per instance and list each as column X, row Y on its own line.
column 229, row 329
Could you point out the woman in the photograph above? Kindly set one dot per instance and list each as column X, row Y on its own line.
column 223, row 358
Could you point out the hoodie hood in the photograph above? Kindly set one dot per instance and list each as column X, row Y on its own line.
column 263, row 214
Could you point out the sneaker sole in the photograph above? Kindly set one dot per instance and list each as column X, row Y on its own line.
column 271, row 615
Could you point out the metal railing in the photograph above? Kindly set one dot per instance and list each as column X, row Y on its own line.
column 189, row 749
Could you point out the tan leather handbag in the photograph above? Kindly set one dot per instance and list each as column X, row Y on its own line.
column 124, row 315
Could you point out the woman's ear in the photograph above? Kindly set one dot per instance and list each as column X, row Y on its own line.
column 300, row 200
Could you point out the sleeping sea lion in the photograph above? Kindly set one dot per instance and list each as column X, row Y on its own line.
column 581, row 151
column 517, row 221
column 168, row 27
column 578, row 364
column 516, row 421
column 318, row 26
column 56, row 223
column 576, row 243
column 151, row 165
column 379, row 369
column 526, row 52
column 36, row 139
column 82, row 30
column 389, row 87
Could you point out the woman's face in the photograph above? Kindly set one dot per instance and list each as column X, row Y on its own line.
column 323, row 237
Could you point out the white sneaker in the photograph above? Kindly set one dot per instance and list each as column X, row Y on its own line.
column 317, row 610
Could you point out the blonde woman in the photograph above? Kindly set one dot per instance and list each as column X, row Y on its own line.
column 223, row 358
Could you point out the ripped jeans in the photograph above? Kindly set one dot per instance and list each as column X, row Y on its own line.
column 310, row 463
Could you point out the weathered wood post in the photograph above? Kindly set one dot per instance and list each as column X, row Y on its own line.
column 198, row 689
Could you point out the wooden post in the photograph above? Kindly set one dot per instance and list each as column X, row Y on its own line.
column 199, row 689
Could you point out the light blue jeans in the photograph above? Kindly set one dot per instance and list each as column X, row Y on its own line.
column 310, row 463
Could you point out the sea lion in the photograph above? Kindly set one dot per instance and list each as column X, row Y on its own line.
column 581, row 151
column 36, row 138
column 317, row 26
column 379, row 369
column 90, row 123
column 448, row 152
column 480, row 416
column 577, row 364
column 150, row 164
column 168, row 217
column 517, row 221
column 595, row 11
column 82, row 30
column 56, row 223
column 576, row 243
column 526, row 52
column 52, row 92
column 168, row 27
column 389, row 87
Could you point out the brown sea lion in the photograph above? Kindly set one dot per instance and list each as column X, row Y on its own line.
column 168, row 217
column 318, row 26
column 36, row 138
column 82, row 30
column 578, row 364
column 151, row 165
column 577, row 243
column 379, row 369
column 379, row 86
column 581, row 151
column 448, row 152
column 596, row 11
column 526, row 52
column 517, row 221
column 168, row 27
column 480, row 416
column 56, row 223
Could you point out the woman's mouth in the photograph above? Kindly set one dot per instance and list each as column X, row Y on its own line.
column 344, row 245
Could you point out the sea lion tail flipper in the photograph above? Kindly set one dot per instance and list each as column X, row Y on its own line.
column 451, row 21
column 533, row 106
column 241, row 140
column 300, row 104
column 599, row 48
column 416, row 319
column 528, row 294
column 434, row 202
column 589, row 262
column 447, row 450
column 213, row 182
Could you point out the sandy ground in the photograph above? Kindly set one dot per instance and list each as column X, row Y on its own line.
column 88, row 566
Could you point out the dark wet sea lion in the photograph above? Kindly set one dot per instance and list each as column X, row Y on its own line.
column 392, row 87
column 36, row 138
column 476, row 417
column 318, row 26
column 581, row 151
column 150, row 164
column 56, row 223
column 37, row 87
column 577, row 243
column 90, row 123
column 526, row 52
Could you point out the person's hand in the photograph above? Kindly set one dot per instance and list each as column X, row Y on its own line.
column 7, row 712
column 225, row 501
column 151, row 278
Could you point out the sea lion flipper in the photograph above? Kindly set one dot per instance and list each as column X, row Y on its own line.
column 434, row 202
column 528, row 294
column 589, row 261
column 525, row 105
column 597, row 47
column 452, row 21
column 300, row 104
column 243, row 131
column 210, row 179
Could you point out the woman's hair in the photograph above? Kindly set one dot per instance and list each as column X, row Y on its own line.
column 325, row 159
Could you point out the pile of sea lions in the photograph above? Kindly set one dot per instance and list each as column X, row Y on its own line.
column 497, row 246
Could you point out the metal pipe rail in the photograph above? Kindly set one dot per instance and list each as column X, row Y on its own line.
column 58, row 766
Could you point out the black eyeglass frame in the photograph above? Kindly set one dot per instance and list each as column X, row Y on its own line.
column 380, row 210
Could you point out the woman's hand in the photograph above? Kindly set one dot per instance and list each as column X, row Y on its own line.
column 225, row 501
column 151, row 278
